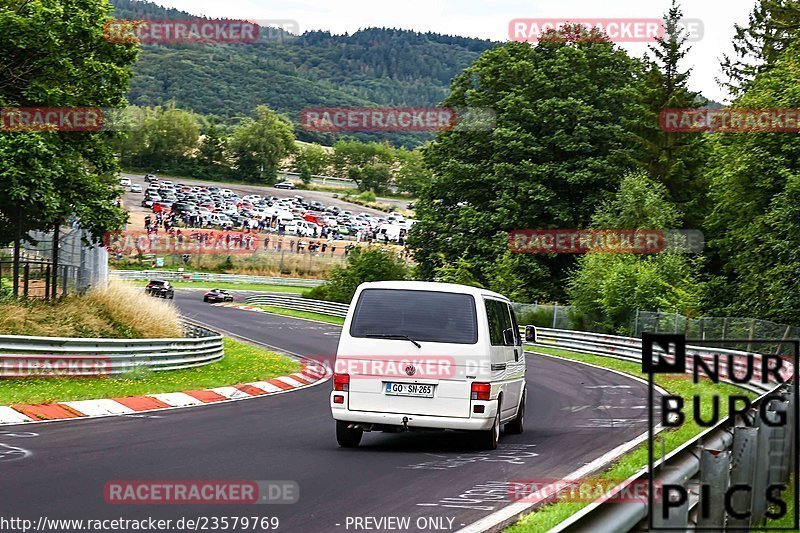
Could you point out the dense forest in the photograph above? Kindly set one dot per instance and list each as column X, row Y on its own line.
column 372, row 67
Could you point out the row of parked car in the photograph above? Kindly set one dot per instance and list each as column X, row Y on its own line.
column 221, row 207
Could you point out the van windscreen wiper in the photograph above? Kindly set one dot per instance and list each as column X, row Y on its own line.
column 392, row 336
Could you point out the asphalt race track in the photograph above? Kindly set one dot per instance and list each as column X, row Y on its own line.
column 575, row 414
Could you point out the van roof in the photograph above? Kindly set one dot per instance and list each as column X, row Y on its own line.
column 431, row 286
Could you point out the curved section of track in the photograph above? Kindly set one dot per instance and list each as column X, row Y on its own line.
column 575, row 415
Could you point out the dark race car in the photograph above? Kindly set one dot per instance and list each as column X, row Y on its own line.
column 160, row 288
column 217, row 295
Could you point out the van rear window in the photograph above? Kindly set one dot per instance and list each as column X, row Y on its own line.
column 421, row 315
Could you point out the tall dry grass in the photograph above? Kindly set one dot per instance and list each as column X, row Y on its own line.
column 118, row 311
column 148, row 317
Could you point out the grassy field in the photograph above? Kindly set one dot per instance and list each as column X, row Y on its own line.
column 553, row 514
column 120, row 311
column 228, row 286
column 242, row 363
column 302, row 314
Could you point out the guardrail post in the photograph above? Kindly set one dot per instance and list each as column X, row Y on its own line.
column 714, row 468
column 678, row 517
column 787, row 444
column 743, row 460
column 791, row 444
column 763, row 465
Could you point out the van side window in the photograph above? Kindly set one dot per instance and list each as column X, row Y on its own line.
column 514, row 324
column 505, row 320
column 495, row 323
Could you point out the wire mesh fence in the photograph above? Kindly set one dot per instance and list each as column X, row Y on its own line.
column 546, row 315
column 720, row 328
column 76, row 268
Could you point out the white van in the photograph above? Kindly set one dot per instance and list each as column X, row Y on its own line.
column 416, row 355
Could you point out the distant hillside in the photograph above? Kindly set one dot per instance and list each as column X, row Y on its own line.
column 372, row 67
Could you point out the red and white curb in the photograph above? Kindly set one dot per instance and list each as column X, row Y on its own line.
column 309, row 375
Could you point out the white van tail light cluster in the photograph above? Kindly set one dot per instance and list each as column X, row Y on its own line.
column 481, row 391
column 341, row 382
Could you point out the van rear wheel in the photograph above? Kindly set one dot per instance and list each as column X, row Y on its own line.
column 488, row 439
column 347, row 437
column 517, row 425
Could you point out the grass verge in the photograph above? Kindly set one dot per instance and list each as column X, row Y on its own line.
column 551, row 515
column 302, row 314
column 228, row 286
column 242, row 363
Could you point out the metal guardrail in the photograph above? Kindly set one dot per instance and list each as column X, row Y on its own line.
column 132, row 275
column 757, row 455
column 200, row 346
column 300, row 304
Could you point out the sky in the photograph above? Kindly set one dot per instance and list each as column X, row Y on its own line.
column 489, row 19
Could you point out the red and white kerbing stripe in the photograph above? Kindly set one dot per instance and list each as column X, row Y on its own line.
column 310, row 374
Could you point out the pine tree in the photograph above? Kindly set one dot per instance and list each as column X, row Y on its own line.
column 773, row 25
column 674, row 159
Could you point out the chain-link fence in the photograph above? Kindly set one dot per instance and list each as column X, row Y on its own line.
column 546, row 315
column 719, row 328
column 77, row 268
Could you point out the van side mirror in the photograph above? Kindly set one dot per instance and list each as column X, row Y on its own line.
column 530, row 334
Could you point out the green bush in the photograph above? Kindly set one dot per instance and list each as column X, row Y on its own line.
column 367, row 196
column 363, row 265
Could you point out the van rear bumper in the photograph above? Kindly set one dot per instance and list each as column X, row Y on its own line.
column 477, row 422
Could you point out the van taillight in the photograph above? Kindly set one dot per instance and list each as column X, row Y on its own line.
column 341, row 382
column 481, row 391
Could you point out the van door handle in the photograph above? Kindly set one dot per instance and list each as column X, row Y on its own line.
column 516, row 355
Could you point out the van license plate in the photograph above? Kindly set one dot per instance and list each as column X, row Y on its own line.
column 409, row 389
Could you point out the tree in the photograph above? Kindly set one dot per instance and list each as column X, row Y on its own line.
column 607, row 288
column 171, row 138
column 368, row 164
column 675, row 159
column 211, row 158
column 565, row 118
column 258, row 146
column 412, row 174
column 752, row 231
column 773, row 26
column 459, row 272
column 313, row 158
column 55, row 55
column 371, row 177
column 363, row 265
